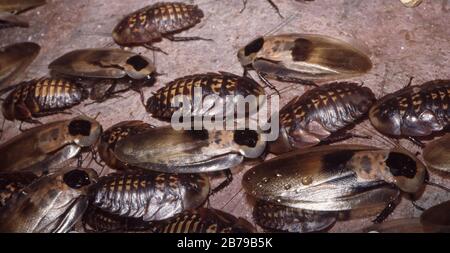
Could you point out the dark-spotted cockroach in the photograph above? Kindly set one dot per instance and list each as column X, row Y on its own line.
column 157, row 21
column 47, row 145
column 321, row 115
column 14, row 59
column 437, row 218
column 104, row 69
column 274, row 217
column 189, row 151
column 8, row 20
column 303, row 58
column 337, row 178
column 414, row 111
column 203, row 220
column 149, row 195
column 41, row 97
column 112, row 135
column 220, row 84
column 18, row 6
column 97, row 220
column 437, row 154
column 52, row 203
column 13, row 183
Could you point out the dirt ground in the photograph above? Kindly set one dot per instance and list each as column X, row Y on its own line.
column 403, row 42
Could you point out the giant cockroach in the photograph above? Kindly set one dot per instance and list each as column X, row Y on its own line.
column 437, row 218
column 12, row 183
column 203, row 220
column 112, row 135
column 149, row 195
column 220, row 85
column 19, row 6
column 303, row 58
column 321, row 115
column 14, row 59
column 414, row 111
column 157, row 21
column 337, row 178
column 47, row 145
column 107, row 71
column 42, row 97
column 52, row 203
column 189, row 151
column 437, row 154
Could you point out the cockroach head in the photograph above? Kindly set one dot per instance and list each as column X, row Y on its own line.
column 78, row 178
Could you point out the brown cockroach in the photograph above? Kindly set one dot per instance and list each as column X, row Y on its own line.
column 14, row 59
column 44, row 146
column 52, row 203
column 321, row 115
column 149, row 195
column 303, row 58
column 42, row 97
column 157, row 21
column 203, row 220
column 220, row 85
column 414, row 111
column 337, row 178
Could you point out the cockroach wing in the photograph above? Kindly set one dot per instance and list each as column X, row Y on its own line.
column 437, row 154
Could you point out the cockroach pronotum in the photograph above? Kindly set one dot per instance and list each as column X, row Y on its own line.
column 189, row 151
column 149, row 195
column 42, row 97
column 157, row 21
column 44, row 146
column 14, row 59
column 203, row 220
column 220, row 84
column 337, row 178
column 303, row 58
column 321, row 115
column 112, row 135
column 437, row 154
column 102, row 70
column 52, row 203
column 414, row 111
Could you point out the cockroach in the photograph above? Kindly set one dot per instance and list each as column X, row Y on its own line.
column 220, row 84
column 322, row 115
column 47, row 145
column 303, row 58
column 19, row 6
column 149, row 195
column 12, row 183
column 337, row 178
column 112, row 135
column 414, row 111
column 14, row 59
column 104, row 69
column 203, row 220
column 157, row 21
column 280, row 218
column 189, row 151
column 52, row 203
column 42, row 97
column 437, row 154
column 8, row 20
column 97, row 220
column 436, row 218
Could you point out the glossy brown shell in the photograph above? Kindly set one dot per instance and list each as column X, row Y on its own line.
column 414, row 110
column 45, row 96
column 203, row 220
column 221, row 84
column 322, row 111
column 437, row 154
column 152, row 22
column 148, row 195
column 112, row 135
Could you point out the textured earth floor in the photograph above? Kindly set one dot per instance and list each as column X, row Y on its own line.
column 403, row 42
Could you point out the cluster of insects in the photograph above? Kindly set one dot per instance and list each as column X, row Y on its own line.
column 161, row 182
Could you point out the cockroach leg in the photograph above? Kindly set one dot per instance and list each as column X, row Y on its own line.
column 416, row 141
column 343, row 136
column 173, row 38
column 227, row 182
column 153, row 48
column 244, row 2
column 268, row 83
column 386, row 211
column 276, row 8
